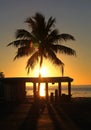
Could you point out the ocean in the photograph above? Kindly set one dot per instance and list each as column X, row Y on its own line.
column 81, row 90
column 76, row 90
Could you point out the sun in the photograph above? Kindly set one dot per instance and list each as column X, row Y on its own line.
column 43, row 72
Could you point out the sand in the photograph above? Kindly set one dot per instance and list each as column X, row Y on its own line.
column 78, row 110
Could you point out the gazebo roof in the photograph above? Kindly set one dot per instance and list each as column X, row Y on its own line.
column 37, row 79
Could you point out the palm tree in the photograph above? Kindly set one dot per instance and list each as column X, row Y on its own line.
column 43, row 40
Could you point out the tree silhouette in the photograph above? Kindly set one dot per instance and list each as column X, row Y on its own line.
column 2, row 75
column 43, row 40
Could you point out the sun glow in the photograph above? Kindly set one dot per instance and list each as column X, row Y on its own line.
column 48, row 70
column 42, row 89
column 43, row 71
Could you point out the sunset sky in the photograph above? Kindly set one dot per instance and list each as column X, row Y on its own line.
column 72, row 17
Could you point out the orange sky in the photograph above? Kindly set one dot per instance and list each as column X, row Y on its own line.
column 72, row 17
column 17, row 69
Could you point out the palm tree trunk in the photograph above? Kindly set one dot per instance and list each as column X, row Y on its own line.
column 39, row 84
column 41, row 61
column 62, row 70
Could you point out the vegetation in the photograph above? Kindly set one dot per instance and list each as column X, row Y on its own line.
column 2, row 75
column 43, row 41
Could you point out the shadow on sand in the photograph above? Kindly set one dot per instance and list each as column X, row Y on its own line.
column 30, row 122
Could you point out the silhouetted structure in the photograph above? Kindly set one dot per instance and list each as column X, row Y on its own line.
column 15, row 89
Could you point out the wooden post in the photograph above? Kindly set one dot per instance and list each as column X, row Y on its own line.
column 46, row 90
column 39, row 84
column 34, row 90
column 38, row 88
column 56, row 95
column 69, row 89
column 59, row 89
column 51, row 98
column 20, row 90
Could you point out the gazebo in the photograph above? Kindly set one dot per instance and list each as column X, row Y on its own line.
column 15, row 87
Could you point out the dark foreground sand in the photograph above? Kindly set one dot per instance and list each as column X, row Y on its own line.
column 78, row 110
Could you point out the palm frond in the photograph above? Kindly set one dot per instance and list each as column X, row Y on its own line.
column 31, row 23
column 38, row 25
column 53, row 37
column 40, row 31
column 18, row 43
column 32, row 61
column 53, row 58
column 66, row 37
column 21, row 33
column 24, row 51
column 50, row 23
column 36, row 22
column 39, row 18
column 63, row 49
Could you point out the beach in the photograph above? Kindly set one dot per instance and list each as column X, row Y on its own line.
column 77, row 111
